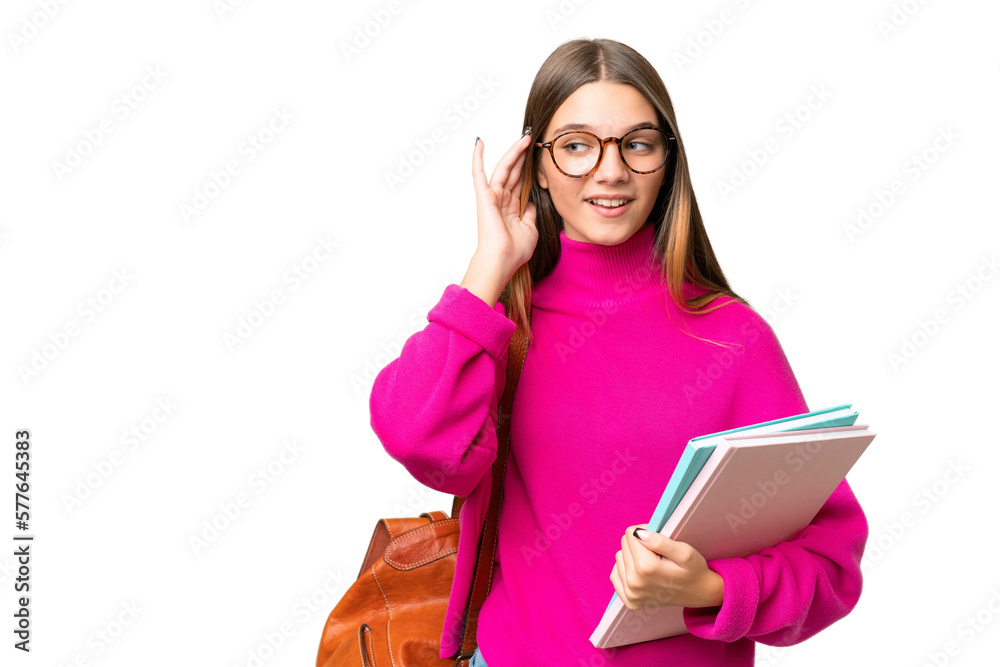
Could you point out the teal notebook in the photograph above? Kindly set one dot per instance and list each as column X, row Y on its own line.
column 699, row 449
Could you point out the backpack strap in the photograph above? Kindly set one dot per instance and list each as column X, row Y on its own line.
column 488, row 536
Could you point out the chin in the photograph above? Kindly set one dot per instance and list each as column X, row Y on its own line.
column 608, row 232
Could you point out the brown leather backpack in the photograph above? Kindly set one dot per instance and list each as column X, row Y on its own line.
column 407, row 574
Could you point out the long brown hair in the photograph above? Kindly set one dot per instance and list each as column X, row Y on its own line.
column 680, row 238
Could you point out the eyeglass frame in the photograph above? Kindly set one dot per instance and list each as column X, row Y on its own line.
column 600, row 155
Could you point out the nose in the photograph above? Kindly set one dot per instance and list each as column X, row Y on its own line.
column 611, row 169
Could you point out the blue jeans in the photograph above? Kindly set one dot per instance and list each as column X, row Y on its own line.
column 477, row 659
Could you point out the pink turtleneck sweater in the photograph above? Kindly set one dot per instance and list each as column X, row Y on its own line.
column 610, row 393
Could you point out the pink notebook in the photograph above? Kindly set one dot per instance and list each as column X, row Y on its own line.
column 753, row 492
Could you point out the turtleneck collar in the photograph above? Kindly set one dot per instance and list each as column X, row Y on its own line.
column 595, row 275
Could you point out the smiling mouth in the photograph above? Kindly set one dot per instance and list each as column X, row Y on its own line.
column 608, row 203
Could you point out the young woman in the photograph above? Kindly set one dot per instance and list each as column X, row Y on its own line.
column 638, row 344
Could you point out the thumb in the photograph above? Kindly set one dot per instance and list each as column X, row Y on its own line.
column 658, row 543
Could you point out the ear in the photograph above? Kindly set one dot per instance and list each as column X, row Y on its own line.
column 543, row 182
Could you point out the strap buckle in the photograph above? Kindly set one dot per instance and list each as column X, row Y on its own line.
column 463, row 656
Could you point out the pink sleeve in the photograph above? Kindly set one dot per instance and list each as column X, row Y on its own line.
column 434, row 407
column 787, row 593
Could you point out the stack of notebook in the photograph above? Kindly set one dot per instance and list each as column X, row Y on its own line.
column 739, row 491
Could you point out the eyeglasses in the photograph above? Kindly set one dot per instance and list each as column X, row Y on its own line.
column 577, row 153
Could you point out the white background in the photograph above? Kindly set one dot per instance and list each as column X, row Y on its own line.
column 847, row 302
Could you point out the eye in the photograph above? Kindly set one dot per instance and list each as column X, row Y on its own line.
column 636, row 145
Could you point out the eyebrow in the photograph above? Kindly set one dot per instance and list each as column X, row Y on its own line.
column 585, row 126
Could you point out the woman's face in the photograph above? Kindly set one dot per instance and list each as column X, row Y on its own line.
column 607, row 110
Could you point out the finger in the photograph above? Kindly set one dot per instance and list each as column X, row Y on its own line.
column 657, row 543
column 645, row 561
column 672, row 550
column 503, row 169
column 623, row 590
column 516, row 174
column 478, row 173
column 628, row 558
column 616, row 581
column 633, row 540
